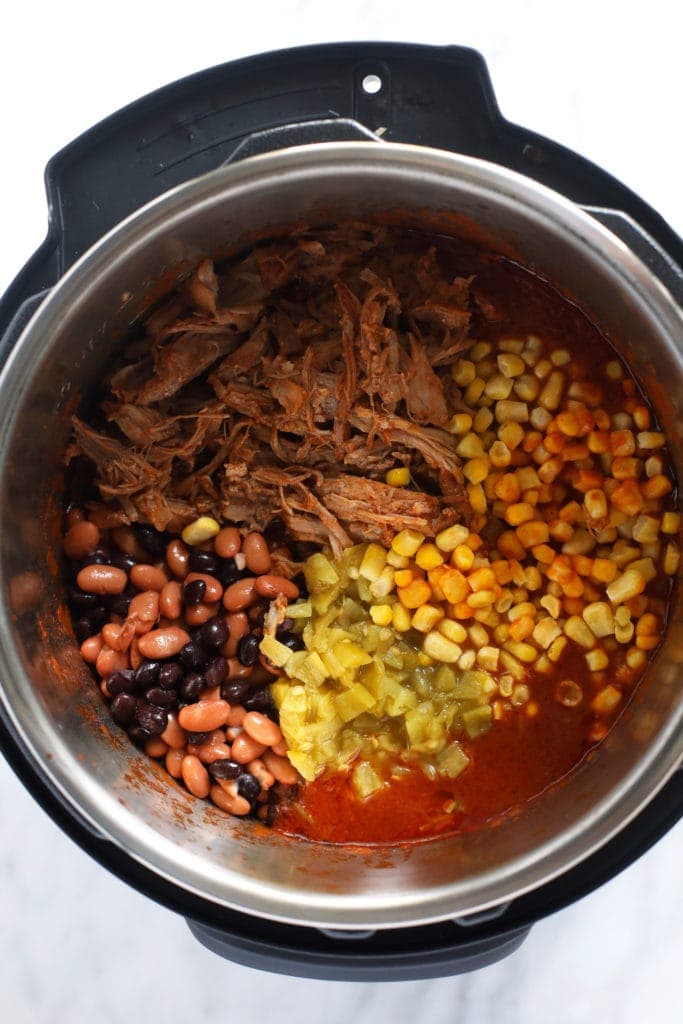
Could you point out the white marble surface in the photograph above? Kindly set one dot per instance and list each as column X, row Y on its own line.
column 76, row 944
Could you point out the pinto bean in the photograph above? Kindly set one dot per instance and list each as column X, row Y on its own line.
column 155, row 747
column 102, row 579
column 227, row 543
column 210, row 751
column 174, row 763
column 109, row 661
column 91, row 648
column 204, row 716
column 280, row 748
column 163, row 643
column 173, row 735
column 214, row 589
column 111, row 635
column 239, row 595
column 143, row 610
column 229, row 800
column 81, row 539
column 238, row 624
column 198, row 614
column 147, row 577
column 177, row 558
column 236, row 716
column 258, row 769
column 126, row 541
column 245, row 748
column 256, row 553
column 136, row 658
column 262, row 729
column 195, row 776
column 272, row 586
column 236, row 670
column 280, row 768
column 171, row 600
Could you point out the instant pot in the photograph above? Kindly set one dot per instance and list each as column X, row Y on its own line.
column 218, row 159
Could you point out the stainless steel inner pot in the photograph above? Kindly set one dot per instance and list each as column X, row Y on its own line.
column 49, row 695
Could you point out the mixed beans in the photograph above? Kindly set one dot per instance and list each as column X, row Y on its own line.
column 171, row 626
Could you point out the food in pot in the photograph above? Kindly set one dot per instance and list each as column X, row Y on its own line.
column 467, row 478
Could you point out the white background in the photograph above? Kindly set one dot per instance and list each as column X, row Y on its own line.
column 76, row 944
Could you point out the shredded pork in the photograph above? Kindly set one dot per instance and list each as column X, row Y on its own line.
column 286, row 385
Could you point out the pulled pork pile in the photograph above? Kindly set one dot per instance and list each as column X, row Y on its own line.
column 286, row 385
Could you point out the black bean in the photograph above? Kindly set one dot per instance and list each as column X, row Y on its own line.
column 123, row 708
column 81, row 599
column 275, row 533
column 162, row 698
column 248, row 786
column 213, row 634
column 192, row 656
column 138, row 734
column 152, row 719
column 196, row 739
column 291, row 640
column 300, row 581
column 247, row 649
column 228, row 573
column 216, row 671
column 261, row 700
column 122, row 681
column 170, row 675
column 122, row 561
column 151, row 540
column 257, row 616
column 193, row 593
column 203, row 561
column 83, row 628
column 147, row 674
column 235, row 690
column 190, row 688
column 224, row 768
column 98, row 617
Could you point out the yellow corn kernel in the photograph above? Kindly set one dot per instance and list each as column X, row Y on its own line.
column 644, row 566
column 466, row 660
column 546, row 632
column 460, row 423
column 451, row 537
column 512, row 665
column 482, row 420
column 428, row 556
column 498, row 387
column 556, row 648
column 515, row 345
column 416, row 593
column 672, row 558
column 406, row 542
column 397, row 561
column 510, row 365
column 552, row 605
column 426, row 617
column 202, row 529
column 439, row 647
column 454, row 585
column 509, row 411
column 604, row 570
column 599, row 618
column 470, row 447
column 480, row 350
column 487, row 658
column 463, row 557
column 671, row 522
column 606, row 701
column 597, row 660
column 400, row 618
column 399, row 477
column 524, row 652
column 474, row 391
column 511, row 434
column 477, row 498
column 595, row 504
column 403, row 577
column 624, row 634
column 532, row 533
column 629, row 585
column 482, row 599
column 476, row 470
column 520, row 695
column 647, row 643
column 649, row 439
column 551, row 393
column 373, row 562
column 560, row 357
column 384, row 584
column 646, row 529
column 463, row 372
column 482, row 579
column 381, row 614
column 520, row 512
column 613, row 370
column 454, row 631
column 500, row 455
column 578, row 631
column 636, row 659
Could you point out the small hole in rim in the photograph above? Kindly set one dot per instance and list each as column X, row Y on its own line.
column 371, row 84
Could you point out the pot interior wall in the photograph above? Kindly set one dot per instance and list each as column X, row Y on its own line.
column 50, row 694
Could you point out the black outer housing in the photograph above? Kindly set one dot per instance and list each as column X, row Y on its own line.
column 435, row 96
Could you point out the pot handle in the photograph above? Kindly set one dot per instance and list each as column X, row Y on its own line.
column 301, row 133
column 644, row 246
column 18, row 322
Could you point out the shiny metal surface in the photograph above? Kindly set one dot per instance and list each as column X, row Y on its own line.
column 47, row 693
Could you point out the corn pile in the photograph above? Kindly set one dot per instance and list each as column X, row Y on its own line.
column 572, row 500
